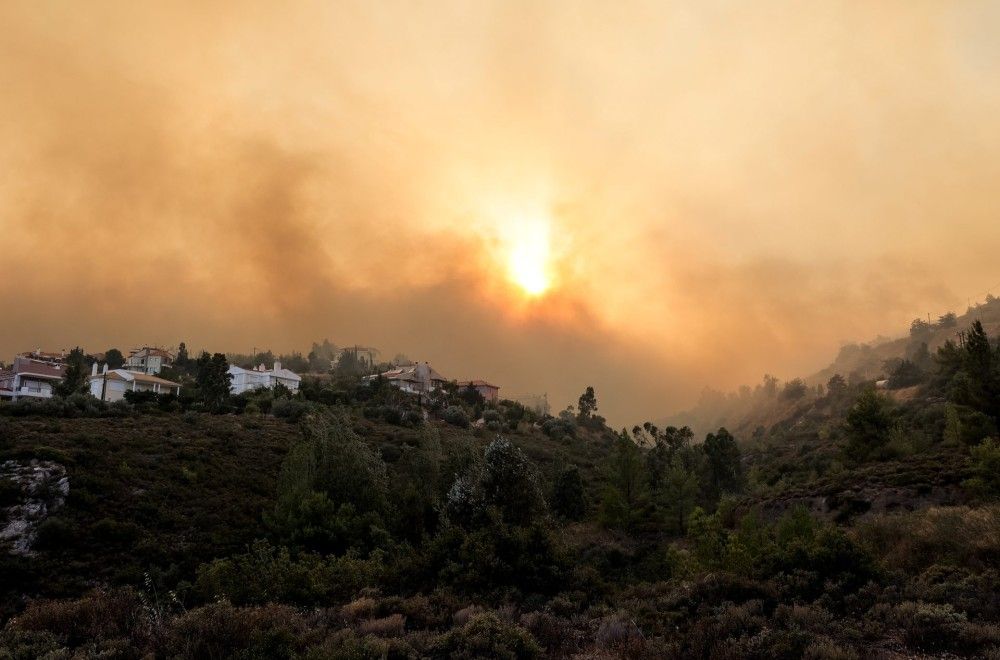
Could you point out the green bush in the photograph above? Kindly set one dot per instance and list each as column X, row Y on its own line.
column 456, row 416
column 266, row 574
column 487, row 636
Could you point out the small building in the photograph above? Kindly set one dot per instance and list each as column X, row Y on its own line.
column 489, row 392
column 31, row 377
column 111, row 384
column 414, row 378
column 247, row 380
column 148, row 360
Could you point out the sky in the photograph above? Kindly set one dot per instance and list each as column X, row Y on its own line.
column 645, row 197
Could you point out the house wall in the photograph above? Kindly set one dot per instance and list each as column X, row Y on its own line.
column 114, row 390
column 31, row 386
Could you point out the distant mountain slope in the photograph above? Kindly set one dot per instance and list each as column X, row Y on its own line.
column 752, row 411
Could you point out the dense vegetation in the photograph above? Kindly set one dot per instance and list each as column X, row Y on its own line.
column 353, row 520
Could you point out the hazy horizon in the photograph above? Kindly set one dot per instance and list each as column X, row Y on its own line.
column 649, row 198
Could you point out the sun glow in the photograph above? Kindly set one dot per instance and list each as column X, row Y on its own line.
column 528, row 260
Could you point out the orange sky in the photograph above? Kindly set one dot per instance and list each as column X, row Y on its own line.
column 727, row 188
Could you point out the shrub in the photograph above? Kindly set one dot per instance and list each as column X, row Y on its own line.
column 10, row 492
column 618, row 633
column 930, row 627
column 456, row 416
column 53, row 533
column 220, row 630
column 100, row 615
column 486, row 635
column 393, row 625
column 266, row 574
column 985, row 468
column 568, row 497
column 291, row 409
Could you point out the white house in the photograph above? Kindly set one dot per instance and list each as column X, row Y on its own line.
column 31, row 377
column 148, row 360
column 111, row 385
column 414, row 378
column 246, row 380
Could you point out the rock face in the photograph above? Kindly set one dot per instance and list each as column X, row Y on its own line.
column 44, row 487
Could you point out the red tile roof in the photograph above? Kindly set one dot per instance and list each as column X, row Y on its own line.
column 476, row 383
column 23, row 365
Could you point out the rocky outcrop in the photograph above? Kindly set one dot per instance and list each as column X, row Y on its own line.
column 43, row 489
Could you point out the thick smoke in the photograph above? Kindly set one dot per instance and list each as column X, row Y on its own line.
column 733, row 190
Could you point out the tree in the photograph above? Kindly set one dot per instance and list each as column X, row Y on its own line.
column 919, row 328
column 587, row 405
column 506, row 483
column 321, row 356
column 510, row 483
column 679, row 494
column 905, row 373
column 182, row 356
column 568, row 497
column 794, row 389
column 332, row 490
column 294, row 361
column 114, row 358
column 770, row 386
column 948, row 320
column 213, row 379
column 725, row 468
column 75, row 376
column 349, row 366
column 868, row 425
column 985, row 468
column 626, row 473
column 836, row 385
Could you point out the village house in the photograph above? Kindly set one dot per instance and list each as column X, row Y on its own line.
column 148, row 360
column 32, row 377
column 414, row 378
column 246, row 380
column 491, row 393
column 111, row 384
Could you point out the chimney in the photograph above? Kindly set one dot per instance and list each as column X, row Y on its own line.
column 277, row 365
column 105, row 369
column 93, row 369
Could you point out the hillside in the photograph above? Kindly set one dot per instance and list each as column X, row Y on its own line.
column 361, row 522
column 773, row 404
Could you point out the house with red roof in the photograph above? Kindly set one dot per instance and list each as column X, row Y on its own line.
column 31, row 377
column 489, row 392
column 148, row 360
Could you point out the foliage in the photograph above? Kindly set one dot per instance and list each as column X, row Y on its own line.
column 332, row 490
column 113, row 358
column 213, row 380
column 456, row 416
column 75, row 375
column 266, row 573
column 487, row 636
column 569, row 498
column 506, row 483
column 867, row 425
column 985, row 468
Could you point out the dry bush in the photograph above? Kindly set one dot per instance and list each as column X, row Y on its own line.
column 359, row 607
column 487, row 636
column 393, row 625
column 618, row 632
column 554, row 633
column 933, row 627
column 825, row 649
column 464, row 615
column 100, row 615
column 220, row 630
column 914, row 541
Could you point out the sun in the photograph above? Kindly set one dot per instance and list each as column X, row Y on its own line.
column 529, row 256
